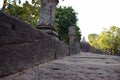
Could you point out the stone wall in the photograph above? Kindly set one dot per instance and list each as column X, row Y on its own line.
column 22, row 47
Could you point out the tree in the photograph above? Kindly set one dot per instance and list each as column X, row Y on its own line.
column 110, row 39
column 27, row 12
column 93, row 40
column 77, row 33
column 107, row 40
column 64, row 18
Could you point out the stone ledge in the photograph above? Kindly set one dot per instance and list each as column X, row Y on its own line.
column 22, row 46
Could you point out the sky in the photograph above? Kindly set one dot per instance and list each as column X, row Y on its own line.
column 94, row 15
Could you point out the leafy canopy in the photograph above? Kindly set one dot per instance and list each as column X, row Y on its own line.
column 64, row 18
column 108, row 39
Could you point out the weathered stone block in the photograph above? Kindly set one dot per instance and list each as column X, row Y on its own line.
column 74, row 48
column 61, row 49
column 22, row 46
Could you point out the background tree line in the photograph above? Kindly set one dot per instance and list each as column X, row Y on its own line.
column 29, row 13
column 108, row 41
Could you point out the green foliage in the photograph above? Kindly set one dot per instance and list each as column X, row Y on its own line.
column 93, row 40
column 65, row 17
column 30, row 13
column 77, row 33
column 27, row 12
column 108, row 39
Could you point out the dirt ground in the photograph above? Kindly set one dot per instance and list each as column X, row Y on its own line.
column 83, row 66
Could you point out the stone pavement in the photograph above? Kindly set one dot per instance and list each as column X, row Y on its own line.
column 83, row 66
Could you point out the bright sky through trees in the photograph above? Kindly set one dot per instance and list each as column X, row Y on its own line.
column 94, row 15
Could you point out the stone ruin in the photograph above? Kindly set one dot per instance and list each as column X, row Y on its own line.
column 47, row 16
column 74, row 46
column 22, row 47
column 84, row 45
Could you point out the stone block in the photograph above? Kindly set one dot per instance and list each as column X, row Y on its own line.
column 21, row 46
column 61, row 50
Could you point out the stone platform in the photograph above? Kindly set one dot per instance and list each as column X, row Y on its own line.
column 83, row 66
